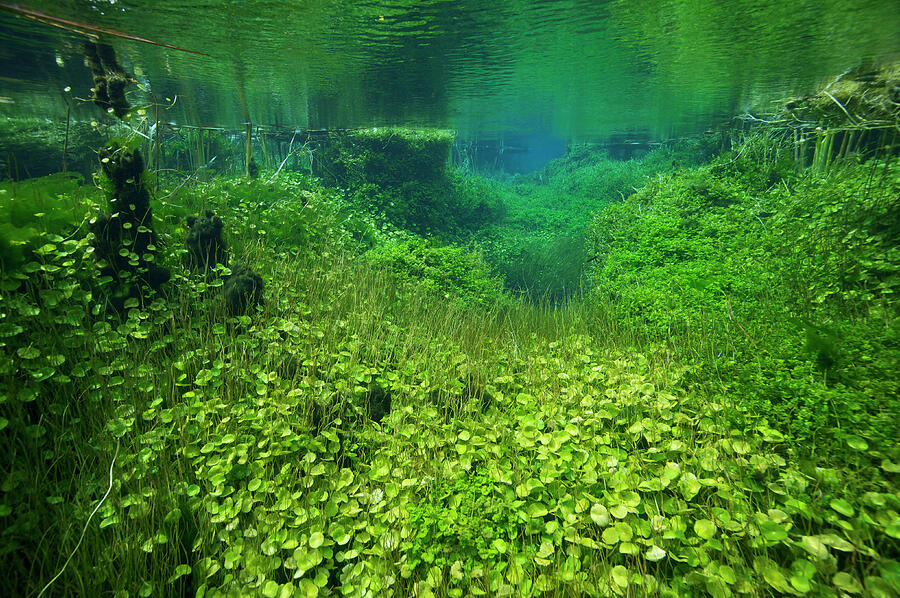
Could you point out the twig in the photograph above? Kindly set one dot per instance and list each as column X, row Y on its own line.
column 732, row 318
column 66, row 144
column 76, row 27
column 283, row 162
column 841, row 106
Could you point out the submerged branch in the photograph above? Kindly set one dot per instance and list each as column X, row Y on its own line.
column 82, row 28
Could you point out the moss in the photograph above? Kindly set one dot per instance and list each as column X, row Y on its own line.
column 243, row 291
column 205, row 244
column 385, row 157
column 447, row 270
column 402, row 176
column 124, row 241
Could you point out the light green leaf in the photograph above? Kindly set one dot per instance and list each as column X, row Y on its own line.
column 727, row 574
column 619, row 511
column 610, row 535
column 802, row 571
column 857, row 443
column 307, row 588
column 270, row 589
column 705, row 528
column 545, row 550
column 316, row 539
column 842, row 506
column 814, row 546
column 774, row 577
column 846, row 582
column 620, row 576
column 600, row 515
column 689, row 486
column 772, row 532
column 180, row 571
column 655, row 553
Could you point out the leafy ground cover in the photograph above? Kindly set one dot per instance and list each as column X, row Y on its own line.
column 780, row 285
column 526, row 450
column 539, row 243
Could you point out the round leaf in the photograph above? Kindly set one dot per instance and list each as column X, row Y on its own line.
column 705, row 528
column 655, row 553
column 600, row 515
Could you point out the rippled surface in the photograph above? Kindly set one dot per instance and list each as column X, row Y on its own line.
column 572, row 68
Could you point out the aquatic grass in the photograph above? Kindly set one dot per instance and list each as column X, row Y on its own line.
column 248, row 463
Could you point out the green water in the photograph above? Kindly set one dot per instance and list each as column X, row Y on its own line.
column 450, row 299
column 574, row 69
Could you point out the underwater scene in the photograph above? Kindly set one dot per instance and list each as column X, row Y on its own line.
column 450, row 298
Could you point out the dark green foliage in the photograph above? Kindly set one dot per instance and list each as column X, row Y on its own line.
column 124, row 240
column 378, row 402
column 205, row 244
column 402, row 176
column 785, row 285
column 384, row 157
column 446, row 270
column 243, row 291
column 34, row 147
column 56, row 204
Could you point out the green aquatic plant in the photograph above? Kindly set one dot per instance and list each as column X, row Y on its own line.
column 722, row 261
column 446, row 270
column 29, row 210
column 245, row 459
column 124, row 241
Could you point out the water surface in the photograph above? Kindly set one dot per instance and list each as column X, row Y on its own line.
column 573, row 69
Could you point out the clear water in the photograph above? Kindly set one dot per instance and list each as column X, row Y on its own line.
column 669, row 372
column 572, row 69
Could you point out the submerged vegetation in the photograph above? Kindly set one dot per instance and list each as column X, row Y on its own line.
column 714, row 413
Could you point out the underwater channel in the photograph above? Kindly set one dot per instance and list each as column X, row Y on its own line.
column 450, row 298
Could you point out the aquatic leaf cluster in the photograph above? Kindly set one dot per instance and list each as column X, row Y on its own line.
column 55, row 204
column 526, row 450
column 783, row 285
